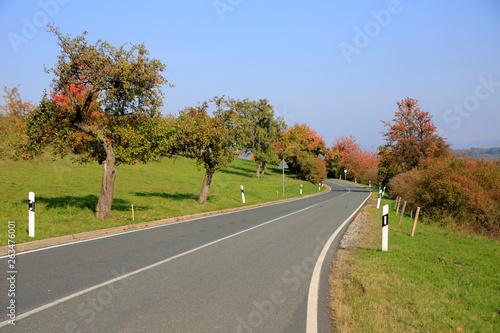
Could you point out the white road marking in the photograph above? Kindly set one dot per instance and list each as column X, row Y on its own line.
column 82, row 292
column 312, row 298
column 156, row 226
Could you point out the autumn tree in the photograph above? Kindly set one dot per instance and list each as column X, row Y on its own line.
column 105, row 104
column 13, row 114
column 259, row 130
column 410, row 139
column 304, row 150
column 346, row 154
column 211, row 140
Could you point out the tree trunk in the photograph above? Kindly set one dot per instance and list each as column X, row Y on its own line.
column 209, row 174
column 103, row 209
column 257, row 174
column 264, row 165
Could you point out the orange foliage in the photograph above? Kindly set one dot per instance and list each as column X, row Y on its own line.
column 346, row 154
column 460, row 192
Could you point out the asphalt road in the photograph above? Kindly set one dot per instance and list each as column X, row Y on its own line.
column 247, row 271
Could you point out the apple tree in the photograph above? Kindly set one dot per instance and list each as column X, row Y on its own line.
column 210, row 139
column 259, row 131
column 104, row 106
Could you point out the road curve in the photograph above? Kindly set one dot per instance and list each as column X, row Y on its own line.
column 247, row 271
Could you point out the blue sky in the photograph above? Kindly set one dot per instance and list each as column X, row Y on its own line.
column 338, row 66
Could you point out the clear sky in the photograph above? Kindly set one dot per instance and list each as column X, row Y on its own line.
column 338, row 66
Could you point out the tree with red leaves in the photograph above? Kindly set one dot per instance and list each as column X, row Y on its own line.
column 346, row 154
column 304, row 150
column 410, row 139
column 105, row 105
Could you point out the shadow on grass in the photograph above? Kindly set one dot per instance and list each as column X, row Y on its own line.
column 236, row 170
column 170, row 196
column 84, row 202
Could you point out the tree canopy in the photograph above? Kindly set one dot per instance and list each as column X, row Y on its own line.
column 104, row 105
column 304, row 150
column 259, row 130
column 410, row 139
column 13, row 115
column 211, row 140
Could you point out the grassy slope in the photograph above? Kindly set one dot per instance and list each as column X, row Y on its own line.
column 437, row 281
column 66, row 194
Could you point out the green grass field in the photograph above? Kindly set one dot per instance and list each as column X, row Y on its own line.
column 437, row 281
column 66, row 193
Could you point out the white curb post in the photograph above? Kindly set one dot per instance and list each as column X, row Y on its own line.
column 31, row 214
column 369, row 183
column 385, row 228
column 300, row 188
column 379, row 198
column 383, row 192
column 242, row 194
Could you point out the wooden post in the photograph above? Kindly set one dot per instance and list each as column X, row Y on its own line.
column 415, row 223
column 396, row 203
column 402, row 212
column 411, row 214
column 133, row 217
column 397, row 210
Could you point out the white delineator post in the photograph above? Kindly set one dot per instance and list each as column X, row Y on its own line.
column 379, row 198
column 385, row 227
column 242, row 194
column 31, row 214
column 383, row 192
column 300, row 188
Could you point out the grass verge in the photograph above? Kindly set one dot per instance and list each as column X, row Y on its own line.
column 437, row 281
column 67, row 194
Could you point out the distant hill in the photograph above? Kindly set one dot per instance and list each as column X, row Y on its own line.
column 486, row 153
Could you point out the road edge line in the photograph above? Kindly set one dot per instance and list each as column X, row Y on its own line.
column 313, row 295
